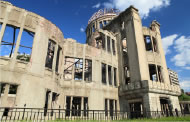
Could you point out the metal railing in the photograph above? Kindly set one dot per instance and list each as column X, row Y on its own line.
column 63, row 114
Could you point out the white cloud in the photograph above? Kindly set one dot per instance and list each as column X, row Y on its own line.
column 144, row 6
column 82, row 29
column 167, row 42
column 96, row 6
column 185, row 84
column 182, row 47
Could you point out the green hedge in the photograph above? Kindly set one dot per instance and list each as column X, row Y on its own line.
column 184, row 97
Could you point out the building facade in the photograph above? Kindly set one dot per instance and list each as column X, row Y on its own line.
column 121, row 67
column 173, row 77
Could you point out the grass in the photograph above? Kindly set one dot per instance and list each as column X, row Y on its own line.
column 165, row 119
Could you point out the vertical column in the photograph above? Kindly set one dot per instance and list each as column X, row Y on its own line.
column 83, row 67
column 111, row 50
column 8, row 9
column 106, row 43
column 5, row 96
column 108, row 104
column 18, row 40
column 55, row 57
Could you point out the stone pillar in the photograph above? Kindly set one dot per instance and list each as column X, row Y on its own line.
column 135, row 45
column 83, row 68
column 50, row 100
column 106, row 43
column 4, row 23
column 156, row 28
column 18, row 40
column 5, row 96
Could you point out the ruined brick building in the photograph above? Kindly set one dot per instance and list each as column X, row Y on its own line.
column 121, row 67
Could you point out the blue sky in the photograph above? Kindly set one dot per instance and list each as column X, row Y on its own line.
column 72, row 16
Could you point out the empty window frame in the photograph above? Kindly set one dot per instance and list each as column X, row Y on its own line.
column 113, row 47
column 85, row 106
column 54, row 96
column 57, row 59
column 160, row 76
column 111, row 107
column 76, row 106
column 88, row 70
column 108, row 44
column 93, row 28
column 8, row 42
column 78, row 69
column 99, row 42
column 101, row 25
column 50, row 54
column 103, row 73
column 115, row 76
column 13, row 89
column 68, row 105
column 0, row 26
column 103, row 41
column 127, row 75
column 105, row 22
column 148, row 43
column 2, row 88
column 155, row 44
column 25, row 47
column 110, row 74
column 153, row 72
column 68, row 71
column 115, row 106
column 106, row 107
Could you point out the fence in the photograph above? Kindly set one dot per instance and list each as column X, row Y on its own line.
column 62, row 114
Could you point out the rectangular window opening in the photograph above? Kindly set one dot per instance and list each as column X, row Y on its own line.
column 110, row 74
column 88, row 70
column 108, row 44
column 155, row 44
column 78, row 69
column 76, row 106
column 68, row 71
column 103, row 73
column 106, row 107
column 25, row 47
column 101, row 25
column 8, row 42
column 105, row 22
column 93, row 28
column 113, row 47
column 13, row 89
column 50, row 54
column 160, row 74
column 148, row 43
column 85, row 106
column 127, row 75
column 0, row 26
column 111, row 107
column 57, row 59
column 68, row 105
column 153, row 73
column 115, row 76
column 103, row 41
